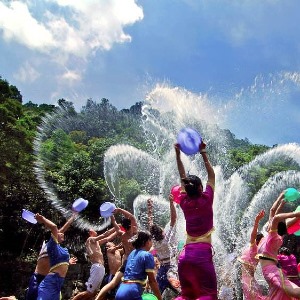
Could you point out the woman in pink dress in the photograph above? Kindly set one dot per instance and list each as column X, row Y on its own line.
column 251, row 289
column 280, row 288
column 288, row 263
column 196, row 269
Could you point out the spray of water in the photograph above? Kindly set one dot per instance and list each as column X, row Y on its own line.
column 165, row 111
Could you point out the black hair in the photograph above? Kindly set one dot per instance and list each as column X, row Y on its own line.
column 140, row 239
column 259, row 236
column 47, row 235
column 191, row 185
column 126, row 223
column 284, row 250
column 281, row 228
column 156, row 232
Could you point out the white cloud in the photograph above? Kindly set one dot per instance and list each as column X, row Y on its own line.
column 71, row 76
column 27, row 73
column 18, row 24
column 65, row 27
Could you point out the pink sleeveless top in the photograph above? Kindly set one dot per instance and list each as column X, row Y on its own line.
column 198, row 212
column 270, row 245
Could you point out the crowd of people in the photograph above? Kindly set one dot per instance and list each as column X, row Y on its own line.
column 142, row 261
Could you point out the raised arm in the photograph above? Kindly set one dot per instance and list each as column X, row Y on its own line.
column 116, row 227
column 275, row 208
column 258, row 217
column 67, row 225
column 173, row 214
column 180, row 165
column 277, row 205
column 48, row 224
column 130, row 216
column 281, row 217
column 209, row 169
column 107, row 236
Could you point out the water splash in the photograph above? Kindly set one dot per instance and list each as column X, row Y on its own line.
column 51, row 122
column 165, row 111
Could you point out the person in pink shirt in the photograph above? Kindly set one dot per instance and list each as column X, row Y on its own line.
column 280, row 287
column 196, row 269
column 251, row 289
column 288, row 263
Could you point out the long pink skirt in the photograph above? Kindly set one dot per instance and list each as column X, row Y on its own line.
column 196, row 272
column 251, row 288
column 277, row 283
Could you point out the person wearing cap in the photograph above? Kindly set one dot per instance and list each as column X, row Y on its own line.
column 249, row 262
column 163, row 242
column 43, row 263
column 196, row 269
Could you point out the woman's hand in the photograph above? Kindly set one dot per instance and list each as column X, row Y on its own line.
column 260, row 215
column 39, row 218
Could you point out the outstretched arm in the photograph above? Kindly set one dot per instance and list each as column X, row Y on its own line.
column 281, row 217
column 107, row 236
column 209, row 169
column 67, row 225
column 48, row 224
column 258, row 217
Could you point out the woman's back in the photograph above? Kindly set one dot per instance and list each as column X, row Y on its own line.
column 198, row 212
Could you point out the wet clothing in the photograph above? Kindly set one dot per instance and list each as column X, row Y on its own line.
column 97, row 273
column 36, row 278
column 198, row 212
column 162, row 278
column 248, row 260
column 269, row 246
column 111, row 294
column 196, row 272
column 49, row 288
column 288, row 264
column 274, row 276
column 138, row 263
column 57, row 254
column 34, row 283
column 277, row 283
column 163, row 250
column 195, row 264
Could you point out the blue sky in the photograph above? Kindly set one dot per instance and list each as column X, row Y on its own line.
column 243, row 55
